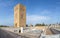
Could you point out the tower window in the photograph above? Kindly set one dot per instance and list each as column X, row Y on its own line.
column 16, row 24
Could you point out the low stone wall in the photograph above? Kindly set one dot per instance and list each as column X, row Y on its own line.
column 50, row 36
column 11, row 29
column 25, row 29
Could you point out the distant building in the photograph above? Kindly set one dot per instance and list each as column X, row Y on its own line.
column 19, row 16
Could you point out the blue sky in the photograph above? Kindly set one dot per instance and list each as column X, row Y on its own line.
column 37, row 11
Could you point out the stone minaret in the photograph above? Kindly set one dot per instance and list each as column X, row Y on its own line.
column 19, row 16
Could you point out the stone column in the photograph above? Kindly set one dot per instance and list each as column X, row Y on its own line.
column 21, row 29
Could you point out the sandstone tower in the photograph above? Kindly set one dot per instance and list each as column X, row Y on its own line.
column 19, row 16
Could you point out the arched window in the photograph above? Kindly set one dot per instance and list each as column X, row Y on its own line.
column 16, row 24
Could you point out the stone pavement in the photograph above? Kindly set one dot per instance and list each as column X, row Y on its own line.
column 48, row 32
column 7, row 34
column 30, row 35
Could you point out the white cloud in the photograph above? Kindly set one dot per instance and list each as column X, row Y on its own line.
column 45, row 12
column 33, row 19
